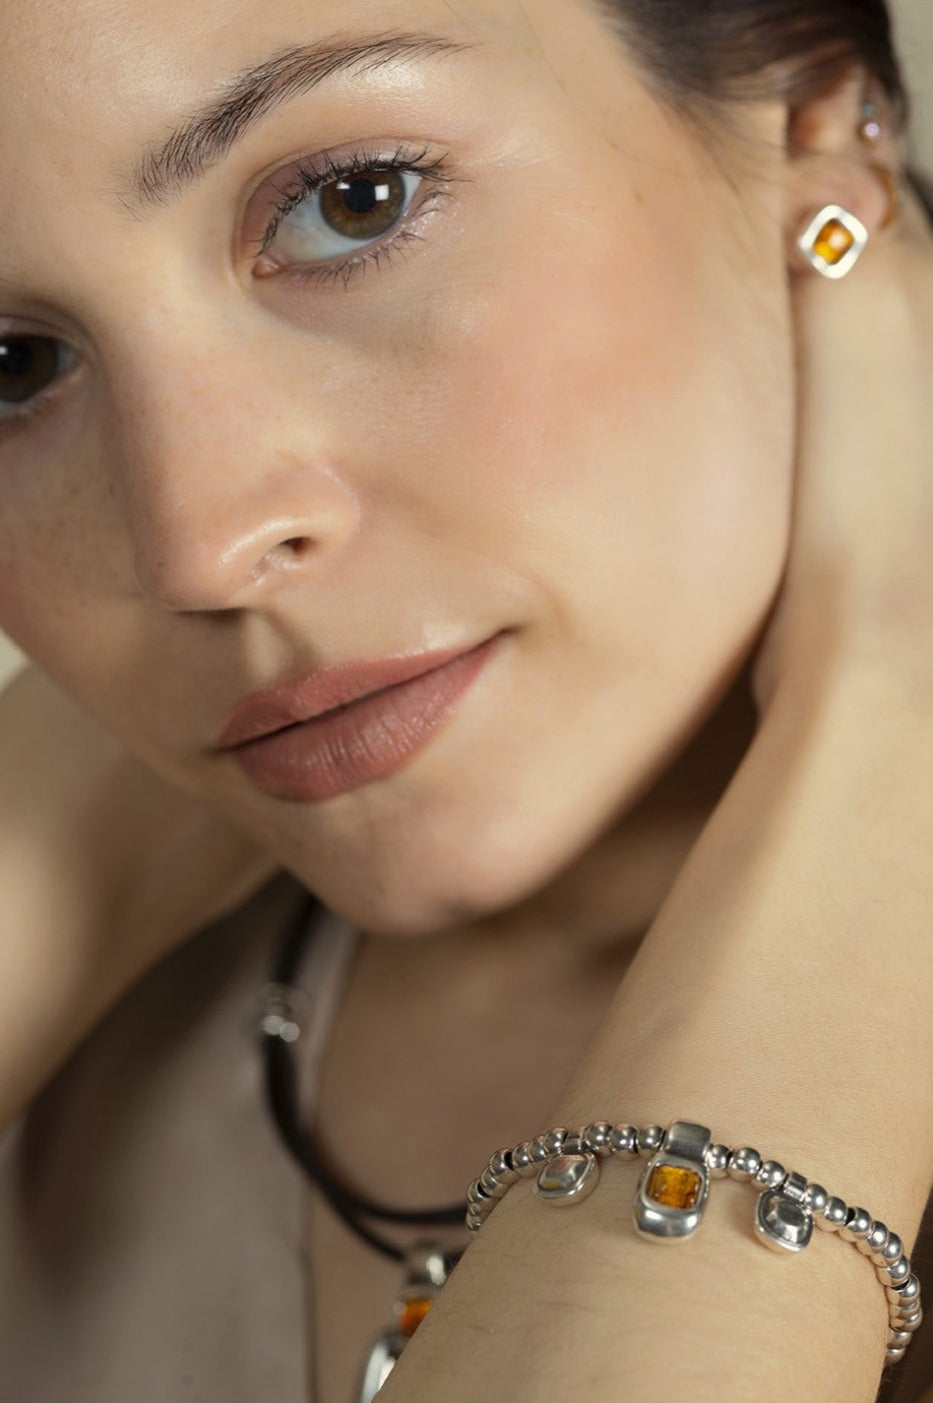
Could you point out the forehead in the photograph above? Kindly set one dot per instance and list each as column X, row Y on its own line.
column 122, row 57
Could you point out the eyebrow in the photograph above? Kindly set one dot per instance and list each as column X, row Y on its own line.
column 204, row 138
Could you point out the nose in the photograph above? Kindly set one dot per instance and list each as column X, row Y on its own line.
column 227, row 484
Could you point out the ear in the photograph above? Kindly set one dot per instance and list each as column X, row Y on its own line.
column 843, row 148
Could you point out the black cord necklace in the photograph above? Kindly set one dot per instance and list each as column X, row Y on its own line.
column 427, row 1265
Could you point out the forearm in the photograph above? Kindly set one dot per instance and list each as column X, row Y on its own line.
column 783, row 999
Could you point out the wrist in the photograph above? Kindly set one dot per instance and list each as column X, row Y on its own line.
column 817, row 659
column 793, row 954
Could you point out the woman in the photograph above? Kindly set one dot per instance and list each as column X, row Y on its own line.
column 434, row 461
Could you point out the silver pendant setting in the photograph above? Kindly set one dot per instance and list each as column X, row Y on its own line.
column 567, row 1179
column 425, row 1274
column 674, row 1185
column 383, row 1358
column 783, row 1220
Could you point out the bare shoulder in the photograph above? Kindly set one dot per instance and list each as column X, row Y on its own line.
column 104, row 868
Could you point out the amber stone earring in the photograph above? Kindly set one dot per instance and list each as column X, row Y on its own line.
column 833, row 241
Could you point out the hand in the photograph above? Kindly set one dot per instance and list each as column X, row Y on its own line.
column 858, row 588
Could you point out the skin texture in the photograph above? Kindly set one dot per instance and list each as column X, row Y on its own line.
column 559, row 414
column 144, row 525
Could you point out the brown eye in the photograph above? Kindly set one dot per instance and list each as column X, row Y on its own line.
column 343, row 216
column 29, row 364
column 366, row 206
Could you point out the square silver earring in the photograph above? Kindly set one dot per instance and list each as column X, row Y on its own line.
column 833, row 241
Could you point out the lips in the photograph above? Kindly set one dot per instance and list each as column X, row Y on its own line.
column 347, row 726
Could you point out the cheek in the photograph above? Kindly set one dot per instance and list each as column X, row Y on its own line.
column 625, row 423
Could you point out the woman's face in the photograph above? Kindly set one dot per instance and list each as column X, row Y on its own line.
column 527, row 382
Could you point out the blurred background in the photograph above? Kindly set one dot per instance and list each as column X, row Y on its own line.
column 915, row 22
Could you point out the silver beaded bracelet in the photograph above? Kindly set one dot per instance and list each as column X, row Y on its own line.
column 673, row 1190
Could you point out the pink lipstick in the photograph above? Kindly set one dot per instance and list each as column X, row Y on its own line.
column 349, row 725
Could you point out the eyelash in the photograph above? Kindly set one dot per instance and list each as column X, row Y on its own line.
column 434, row 172
column 311, row 180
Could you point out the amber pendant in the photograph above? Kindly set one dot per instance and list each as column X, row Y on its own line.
column 674, row 1186
column 425, row 1274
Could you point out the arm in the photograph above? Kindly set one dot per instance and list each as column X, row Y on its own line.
column 783, row 995
column 103, row 869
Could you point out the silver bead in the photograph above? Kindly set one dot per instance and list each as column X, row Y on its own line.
column 898, row 1339
column 717, row 1161
column 910, row 1322
column 857, row 1225
column 596, row 1138
column 909, row 1293
column 277, row 1014
column 573, row 1142
column 893, row 1355
column 476, row 1195
column 649, row 1140
column 771, row 1175
column 554, row 1140
column 521, row 1159
column 744, row 1164
column 897, row 1273
column 539, row 1151
column 875, row 1241
column 892, row 1249
column 834, row 1215
column 491, row 1185
column 816, row 1199
column 623, row 1140
column 500, row 1165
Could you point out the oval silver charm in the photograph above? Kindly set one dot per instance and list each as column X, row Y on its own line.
column 782, row 1222
column 567, row 1179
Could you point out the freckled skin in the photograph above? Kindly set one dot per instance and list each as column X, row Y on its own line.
column 565, row 411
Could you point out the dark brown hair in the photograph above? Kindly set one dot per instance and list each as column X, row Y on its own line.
column 706, row 52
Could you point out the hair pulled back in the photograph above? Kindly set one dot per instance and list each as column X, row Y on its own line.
column 706, row 52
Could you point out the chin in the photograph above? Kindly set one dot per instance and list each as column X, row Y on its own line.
column 439, row 877
column 412, row 901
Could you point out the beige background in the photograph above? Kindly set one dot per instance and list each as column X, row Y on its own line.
column 915, row 19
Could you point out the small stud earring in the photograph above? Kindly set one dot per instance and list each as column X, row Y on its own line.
column 870, row 130
column 833, row 241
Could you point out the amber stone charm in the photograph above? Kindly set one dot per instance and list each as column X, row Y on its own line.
column 674, row 1185
column 833, row 242
column 413, row 1313
column 674, row 1188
